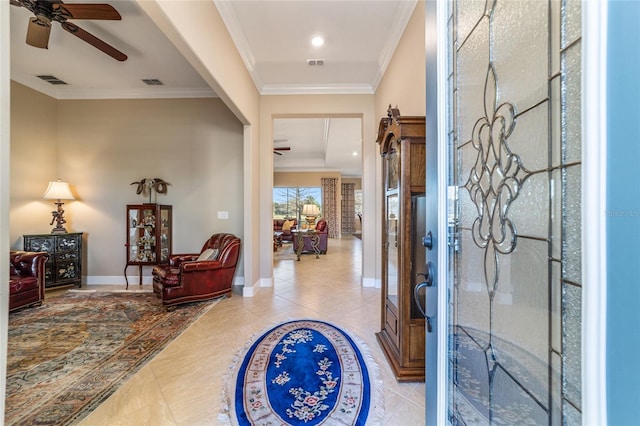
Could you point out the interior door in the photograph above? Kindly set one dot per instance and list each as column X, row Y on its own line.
column 509, row 139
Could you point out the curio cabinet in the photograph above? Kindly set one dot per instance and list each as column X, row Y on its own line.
column 148, row 235
column 402, row 334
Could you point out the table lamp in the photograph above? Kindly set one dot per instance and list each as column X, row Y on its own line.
column 58, row 190
column 311, row 211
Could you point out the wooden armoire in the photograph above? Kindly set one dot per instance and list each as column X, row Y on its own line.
column 402, row 335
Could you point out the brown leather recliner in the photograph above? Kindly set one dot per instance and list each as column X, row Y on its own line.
column 26, row 278
column 187, row 279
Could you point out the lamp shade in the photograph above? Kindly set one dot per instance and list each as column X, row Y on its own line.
column 310, row 210
column 58, row 190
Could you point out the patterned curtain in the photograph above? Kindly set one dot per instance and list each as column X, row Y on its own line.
column 330, row 204
column 348, row 208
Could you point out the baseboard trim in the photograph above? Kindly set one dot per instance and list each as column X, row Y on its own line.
column 250, row 291
column 371, row 282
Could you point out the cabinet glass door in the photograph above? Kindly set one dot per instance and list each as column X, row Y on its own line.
column 142, row 235
column 165, row 233
column 393, row 213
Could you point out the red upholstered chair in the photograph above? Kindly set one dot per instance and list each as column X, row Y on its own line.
column 26, row 278
column 198, row 276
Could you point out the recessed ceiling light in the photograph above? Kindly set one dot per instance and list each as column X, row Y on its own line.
column 317, row 41
column 355, row 153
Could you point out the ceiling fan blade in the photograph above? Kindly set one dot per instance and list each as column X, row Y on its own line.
column 38, row 32
column 87, row 11
column 94, row 41
column 277, row 153
column 282, row 148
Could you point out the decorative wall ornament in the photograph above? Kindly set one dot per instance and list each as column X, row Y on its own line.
column 148, row 186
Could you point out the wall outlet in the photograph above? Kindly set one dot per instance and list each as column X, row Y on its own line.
column 223, row 215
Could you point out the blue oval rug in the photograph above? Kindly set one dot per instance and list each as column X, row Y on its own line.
column 305, row 372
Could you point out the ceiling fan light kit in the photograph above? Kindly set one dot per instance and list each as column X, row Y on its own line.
column 38, row 32
column 45, row 11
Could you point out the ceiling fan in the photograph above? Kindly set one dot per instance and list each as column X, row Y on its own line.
column 276, row 149
column 46, row 11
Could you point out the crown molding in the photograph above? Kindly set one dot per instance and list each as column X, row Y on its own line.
column 328, row 89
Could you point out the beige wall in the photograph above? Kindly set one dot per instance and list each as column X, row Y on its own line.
column 34, row 156
column 357, row 182
column 404, row 82
column 102, row 146
column 302, row 179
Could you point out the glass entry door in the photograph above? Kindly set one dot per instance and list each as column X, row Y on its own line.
column 514, row 295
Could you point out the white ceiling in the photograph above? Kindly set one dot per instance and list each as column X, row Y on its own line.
column 274, row 40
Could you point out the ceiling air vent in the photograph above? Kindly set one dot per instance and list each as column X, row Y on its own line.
column 51, row 79
column 315, row 62
column 152, row 82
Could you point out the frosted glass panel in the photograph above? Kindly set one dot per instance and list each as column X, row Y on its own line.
column 572, row 416
column 556, row 123
column 571, row 350
column 522, row 72
column 529, row 212
column 556, row 389
column 573, row 133
column 473, row 301
column 532, row 125
column 521, row 303
column 554, row 34
column 556, row 214
column 556, row 307
column 573, row 15
column 572, row 245
column 472, row 71
column 469, row 13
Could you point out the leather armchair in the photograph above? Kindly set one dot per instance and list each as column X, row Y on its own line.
column 322, row 229
column 26, row 278
column 187, row 279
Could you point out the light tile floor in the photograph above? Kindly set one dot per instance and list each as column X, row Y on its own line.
column 182, row 385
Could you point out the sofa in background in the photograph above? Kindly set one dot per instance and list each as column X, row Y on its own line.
column 198, row 276
column 322, row 229
column 26, row 278
column 279, row 226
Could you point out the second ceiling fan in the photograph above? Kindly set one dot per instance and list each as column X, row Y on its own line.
column 277, row 149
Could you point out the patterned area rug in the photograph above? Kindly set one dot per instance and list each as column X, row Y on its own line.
column 304, row 372
column 285, row 253
column 69, row 355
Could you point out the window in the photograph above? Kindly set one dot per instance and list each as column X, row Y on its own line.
column 288, row 201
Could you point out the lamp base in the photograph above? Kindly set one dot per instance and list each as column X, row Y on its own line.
column 58, row 218
column 311, row 220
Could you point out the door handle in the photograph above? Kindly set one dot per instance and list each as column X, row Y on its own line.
column 430, row 295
